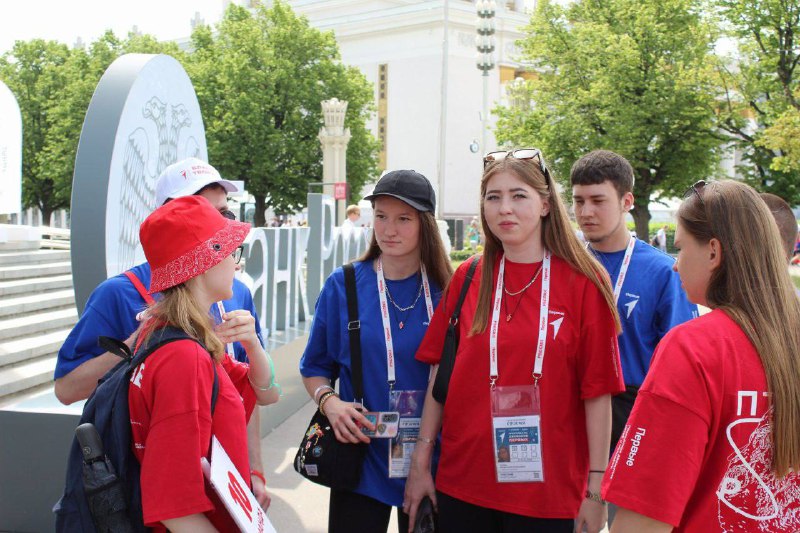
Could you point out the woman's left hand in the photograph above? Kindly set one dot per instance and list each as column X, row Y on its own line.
column 593, row 515
column 260, row 492
column 238, row 326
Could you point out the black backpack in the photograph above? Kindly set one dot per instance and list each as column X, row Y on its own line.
column 107, row 410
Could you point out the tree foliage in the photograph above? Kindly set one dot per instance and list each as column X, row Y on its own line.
column 629, row 76
column 53, row 85
column 260, row 80
column 760, row 87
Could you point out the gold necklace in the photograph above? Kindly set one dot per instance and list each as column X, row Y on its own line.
column 525, row 288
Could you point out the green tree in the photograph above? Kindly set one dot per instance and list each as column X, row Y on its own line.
column 54, row 85
column 260, row 80
column 761, row 108
column 34, row 71
column 622, row 75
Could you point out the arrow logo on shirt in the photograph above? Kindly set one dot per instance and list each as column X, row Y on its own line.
column 630, row 305
column 556, row 326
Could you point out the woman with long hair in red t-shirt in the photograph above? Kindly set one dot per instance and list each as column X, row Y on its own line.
column 526, row 426
column 193, row 252
column 713, row 442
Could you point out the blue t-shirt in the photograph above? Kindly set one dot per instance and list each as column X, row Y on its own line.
column 328, row 353
column 650, row 303
column 111, row 312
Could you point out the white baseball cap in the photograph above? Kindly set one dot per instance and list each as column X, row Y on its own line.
column 185, row 178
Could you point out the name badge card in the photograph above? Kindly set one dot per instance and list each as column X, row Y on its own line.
column 234, row 491
column 408, row 403
column 517, row 434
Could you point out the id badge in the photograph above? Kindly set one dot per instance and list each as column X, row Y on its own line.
column 409, row 404
column 517, row 434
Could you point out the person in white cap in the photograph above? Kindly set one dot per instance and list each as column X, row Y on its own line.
column 114, row 306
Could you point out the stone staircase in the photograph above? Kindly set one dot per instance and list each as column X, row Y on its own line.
column 37, row 311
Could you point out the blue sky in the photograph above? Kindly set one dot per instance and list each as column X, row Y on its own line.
column 65, row 21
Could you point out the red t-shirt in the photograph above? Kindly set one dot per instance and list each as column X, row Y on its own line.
column 581, row 362
column 170, row 407
column 696, row 451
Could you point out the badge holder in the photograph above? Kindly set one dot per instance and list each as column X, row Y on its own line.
column 517, row 434
column 408, row 403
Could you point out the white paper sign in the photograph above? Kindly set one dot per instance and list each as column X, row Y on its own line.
column 234, row 492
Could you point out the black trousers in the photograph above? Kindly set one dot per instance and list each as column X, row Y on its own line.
column 621, row 407
column 457, row 516
column 349, row 512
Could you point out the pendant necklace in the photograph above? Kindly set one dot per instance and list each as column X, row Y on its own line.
column 401, row 318
column 522, row 291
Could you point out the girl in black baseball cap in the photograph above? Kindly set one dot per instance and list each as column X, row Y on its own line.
column 399, row 281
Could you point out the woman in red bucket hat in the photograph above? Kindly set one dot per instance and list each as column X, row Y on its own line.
column 193, row 251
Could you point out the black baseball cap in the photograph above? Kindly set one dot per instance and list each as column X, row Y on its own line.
column 409, row 186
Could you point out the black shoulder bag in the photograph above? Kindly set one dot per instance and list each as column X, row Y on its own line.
column 321, row 458
column 448, row 361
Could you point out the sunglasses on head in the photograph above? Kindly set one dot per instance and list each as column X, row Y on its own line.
column 521, row 153
column 696, row 188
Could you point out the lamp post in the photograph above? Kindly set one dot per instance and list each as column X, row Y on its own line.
column 485, row 44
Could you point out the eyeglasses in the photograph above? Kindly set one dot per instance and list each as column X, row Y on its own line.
column 237, row 254
column 522, row 153
column 697, row 188
column 230, row 215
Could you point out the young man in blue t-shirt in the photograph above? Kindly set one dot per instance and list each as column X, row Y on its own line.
column 649, row 296
column 113, row 306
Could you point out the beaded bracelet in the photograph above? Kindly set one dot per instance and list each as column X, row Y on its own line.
column 325, row 397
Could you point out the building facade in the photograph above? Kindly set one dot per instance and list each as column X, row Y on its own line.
column 421, row 58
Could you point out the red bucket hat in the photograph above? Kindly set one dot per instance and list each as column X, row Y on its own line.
column 184, row 238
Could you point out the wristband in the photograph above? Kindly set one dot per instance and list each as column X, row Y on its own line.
column 318, row 391
column 426, row 440
column 597, row 471
column 259, row 475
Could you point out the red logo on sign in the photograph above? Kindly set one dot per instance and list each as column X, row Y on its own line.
column 239, row 496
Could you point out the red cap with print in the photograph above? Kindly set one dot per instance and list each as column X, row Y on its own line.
column 184, row 238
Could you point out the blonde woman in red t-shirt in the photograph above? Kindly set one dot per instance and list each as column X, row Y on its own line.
column 193, row 252
column 526, row 426
column 713, row 442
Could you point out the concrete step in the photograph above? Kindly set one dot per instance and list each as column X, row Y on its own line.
column 23, row 376
column 40, row 301
column 31, row 286
column 19, row 327
column 27, row 348
column 27, row 271
column 36, row 256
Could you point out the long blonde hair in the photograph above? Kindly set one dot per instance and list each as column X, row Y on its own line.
column 431, row 250
column 178, row 308
column 557, row 236
column 752, row 285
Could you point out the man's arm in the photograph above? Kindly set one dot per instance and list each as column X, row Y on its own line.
column 81, row 382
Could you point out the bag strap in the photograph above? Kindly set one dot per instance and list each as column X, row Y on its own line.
column 354, row 330
column 139, row 287
column 165, row 336
column 464, row 288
